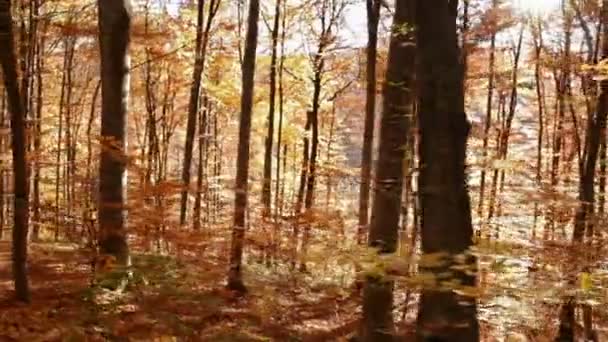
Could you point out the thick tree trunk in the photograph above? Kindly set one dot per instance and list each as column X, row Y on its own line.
column 597, row 131
column 235, row 278
column 2, row 151
column 446, row 212
column 19, row 145
column 114, row 39
column 395, row 124
column 373, row 16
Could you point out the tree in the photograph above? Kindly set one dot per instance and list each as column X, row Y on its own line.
column 488, row 119
column 19, row 144
column 394, row 127
column 373, row 16
column 267, row 182
column 446, row 213
column 596, row 132
column 235, row 278
column 114, row 39
column 202, row 39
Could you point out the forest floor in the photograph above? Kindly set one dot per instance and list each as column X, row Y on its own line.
column 178, row 298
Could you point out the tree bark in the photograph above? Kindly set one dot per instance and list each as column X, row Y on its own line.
column 202, row 39
column 446, row 213
column 540, row 97
column 395, row 124
column 488, row 120
column 235, row 278
column 373, row 15
column 114, row 40
column 19, row 145
column 267, row 181
column 593, row 140
column 278, row 193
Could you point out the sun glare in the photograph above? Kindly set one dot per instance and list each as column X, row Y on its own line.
column 537, row 6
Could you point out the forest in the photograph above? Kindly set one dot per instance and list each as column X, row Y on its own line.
column 303, row 170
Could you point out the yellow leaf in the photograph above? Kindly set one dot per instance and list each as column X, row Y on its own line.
column 585, row 281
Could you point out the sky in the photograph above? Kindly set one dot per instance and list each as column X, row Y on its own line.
column 537, row 6
column 355, row 33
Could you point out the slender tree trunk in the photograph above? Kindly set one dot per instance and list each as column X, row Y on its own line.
column 235, row 278
column 279, row 199
column 58, row 158
column 446, row 211
column 305, row 165
column 199, row 65
column 69, row 165
column 373, row 15
column 540, row 96
column 199, row 181
column 114, row 39
column 330, row 141
column 396, row 116
column 267, row 181
column 488, row 120
column 314, row 146
column 202, row 40
column 40, row 49
column 506, row 133
column 19, row 145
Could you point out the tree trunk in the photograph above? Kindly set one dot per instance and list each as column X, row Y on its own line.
column 235, row 278
column 597, row 131
column 540, row 97
column 199, row 65
column 267, row 181
column 394, row 127
column 202, row 39
column 40, row 49
column 200, row 170
column 278, row 203
column 305, row 164
column 2, row 152
column 114, row 39
column 506, row 132
column 446, row 212
column 488, row 120
column 19, row 144
column 373, row 15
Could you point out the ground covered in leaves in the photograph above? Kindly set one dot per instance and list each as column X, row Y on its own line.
column 176, row 292
column 168, row 298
